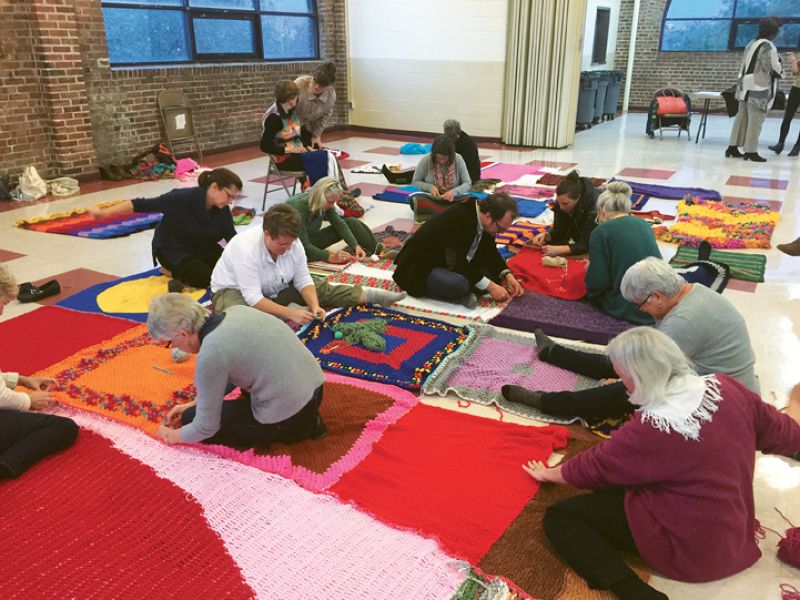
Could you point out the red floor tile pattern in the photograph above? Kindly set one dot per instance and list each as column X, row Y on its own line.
column 758, row 182
column 73, row 282
column 391, row 150
column 742, row 286
column 660, row 174
column 350, row 163
column 7, row 255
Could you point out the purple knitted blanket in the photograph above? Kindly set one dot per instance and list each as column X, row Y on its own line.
column 571, row 319
column 670, row 192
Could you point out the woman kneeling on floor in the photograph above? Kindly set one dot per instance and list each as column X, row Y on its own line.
column 675, row 483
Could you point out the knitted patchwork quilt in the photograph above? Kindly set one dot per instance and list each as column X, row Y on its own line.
column 131, row 378
column 744, row 266
column 491, row 358
column 80, row 223
column 415, row 346
column 723, row 223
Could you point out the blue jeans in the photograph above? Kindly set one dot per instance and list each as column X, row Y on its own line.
column 447, row 285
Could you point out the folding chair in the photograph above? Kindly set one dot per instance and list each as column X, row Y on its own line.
column 676, row 111
column 274, row 172
column 176, row 115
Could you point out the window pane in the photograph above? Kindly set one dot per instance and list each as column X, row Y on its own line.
column 139, row 35
column 231, row 4
column 151, row 2
column 692, row 9
column 295, row 6
column 289, row 37
column 695, row 36
column 223, row 36
column 767, row 8
column 787, row 37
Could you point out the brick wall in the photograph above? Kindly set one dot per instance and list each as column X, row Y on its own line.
column 690, row 71
column 75, row 112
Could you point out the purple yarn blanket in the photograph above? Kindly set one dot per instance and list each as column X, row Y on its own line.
column 571, row 319
column 670, row 192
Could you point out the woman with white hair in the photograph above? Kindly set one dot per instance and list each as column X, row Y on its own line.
column 27, row 437
column 619, row 241
column 280, row 379
column 318, row 205
column 705, row 326
column 675, row 483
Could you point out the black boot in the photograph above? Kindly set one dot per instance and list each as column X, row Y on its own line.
column 754, row 156
column 733, row 152
column 777, row 148
column 795, row 150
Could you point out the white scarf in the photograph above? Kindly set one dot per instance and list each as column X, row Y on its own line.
column 688, row 402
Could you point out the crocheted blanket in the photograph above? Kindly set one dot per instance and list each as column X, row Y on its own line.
column 554, row 179
column 670, row 192
column 451, row 476
column 491, row 358
column 509, row 172
column 415, row 346
column 80, row 223
column 743, row 265
column 127, row 297
column 566, row 282
column 379, row 275
column 723, row 223
column 101, row 512
column 130, row 378
column 560, row 318
column 520, row 233
column 529, row 192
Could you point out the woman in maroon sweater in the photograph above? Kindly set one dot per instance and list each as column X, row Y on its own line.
column 675, row 483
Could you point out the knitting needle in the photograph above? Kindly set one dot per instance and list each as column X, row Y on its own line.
column 162, row 369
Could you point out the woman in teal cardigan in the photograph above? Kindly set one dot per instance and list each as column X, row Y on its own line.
column 619, row 241
column 318, row 205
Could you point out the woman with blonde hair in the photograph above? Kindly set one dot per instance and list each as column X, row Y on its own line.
column 317, row 205
column 27, row 437
column 675, row 483
column 619, row 241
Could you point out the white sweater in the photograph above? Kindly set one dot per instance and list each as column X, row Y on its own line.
column 8, row 397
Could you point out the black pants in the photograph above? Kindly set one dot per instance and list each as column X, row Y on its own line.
column 26, row 438
column 239, row 428
column 792, row 104
column 589, row 531
column 600, row 402
column 194, row 271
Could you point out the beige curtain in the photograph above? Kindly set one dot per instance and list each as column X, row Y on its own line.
column 543, row 60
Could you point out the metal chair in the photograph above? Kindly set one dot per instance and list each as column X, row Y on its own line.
column 681, row 119
column 275, row 174
column 176, row 115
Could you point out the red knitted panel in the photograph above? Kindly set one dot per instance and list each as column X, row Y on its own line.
column 92, row 522
column 568, row 283
column 451, row 476
column 47, row 335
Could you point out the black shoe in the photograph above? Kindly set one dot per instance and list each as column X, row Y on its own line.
column 175, row 286
column 795, row 150
column 470, row 301
column 521, row 395
column 34, row 294
column 733, row 152
column 109, row 175
column 777, row 148
column 754, row 156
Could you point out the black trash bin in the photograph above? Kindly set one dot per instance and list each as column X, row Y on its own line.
column 612, row 94
column 602, row 90
column 586, row 99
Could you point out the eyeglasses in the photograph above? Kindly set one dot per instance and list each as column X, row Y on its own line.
column 500, row 228
column 644, row 302
column 231, row 195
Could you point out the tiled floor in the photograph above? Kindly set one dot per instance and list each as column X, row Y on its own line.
column 772, row 310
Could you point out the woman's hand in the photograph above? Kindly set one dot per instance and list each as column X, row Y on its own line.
column 38, row 383
column 339, row 257
column 449, row 196
column 173, row 418
column 434, row 192
column 555, row 250
column 539, row 239
column 541, row 472
column 41, row 400
column 360, row 254
column 168, row 435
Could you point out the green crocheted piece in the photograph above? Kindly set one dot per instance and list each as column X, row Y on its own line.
column 367, row 332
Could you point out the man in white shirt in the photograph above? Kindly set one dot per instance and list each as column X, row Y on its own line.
column 267, row 269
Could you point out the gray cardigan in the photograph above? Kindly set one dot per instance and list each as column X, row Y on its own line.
column 423, row 176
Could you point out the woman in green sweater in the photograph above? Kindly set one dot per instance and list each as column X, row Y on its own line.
column 318, row 205
column 619, row 241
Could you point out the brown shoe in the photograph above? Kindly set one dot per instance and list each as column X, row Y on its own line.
column 792, row 248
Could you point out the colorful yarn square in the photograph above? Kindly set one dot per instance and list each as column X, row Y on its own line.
column 80, row 223
column 744, row 266
column 414, row 346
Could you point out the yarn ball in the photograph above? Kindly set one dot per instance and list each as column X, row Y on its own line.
column 338, row 335
column 789, row 547
column 367, row 332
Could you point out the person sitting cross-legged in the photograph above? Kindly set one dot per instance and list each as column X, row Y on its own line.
column 280, row 379
column 267, row 269
column 454, row 253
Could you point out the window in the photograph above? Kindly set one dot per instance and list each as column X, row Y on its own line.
column 724, row 25
column 142, row 32
column 600, row 47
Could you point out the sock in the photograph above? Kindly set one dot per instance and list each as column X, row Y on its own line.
column 521, row 395
column 543, row 343
column 382, row 297
column 633, row 588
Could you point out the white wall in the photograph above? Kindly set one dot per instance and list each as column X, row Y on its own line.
column 415, row 63
column 588, row 34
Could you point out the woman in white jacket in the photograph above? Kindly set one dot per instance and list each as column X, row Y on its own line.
column 755, row 89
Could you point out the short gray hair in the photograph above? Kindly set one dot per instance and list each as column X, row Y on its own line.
column 451, row 128
column 8, row 285
column 650, row 275
column 170, row 313
column 651, row 359
column 616, row 199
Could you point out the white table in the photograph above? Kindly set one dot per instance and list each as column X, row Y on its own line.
column 706, row 97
